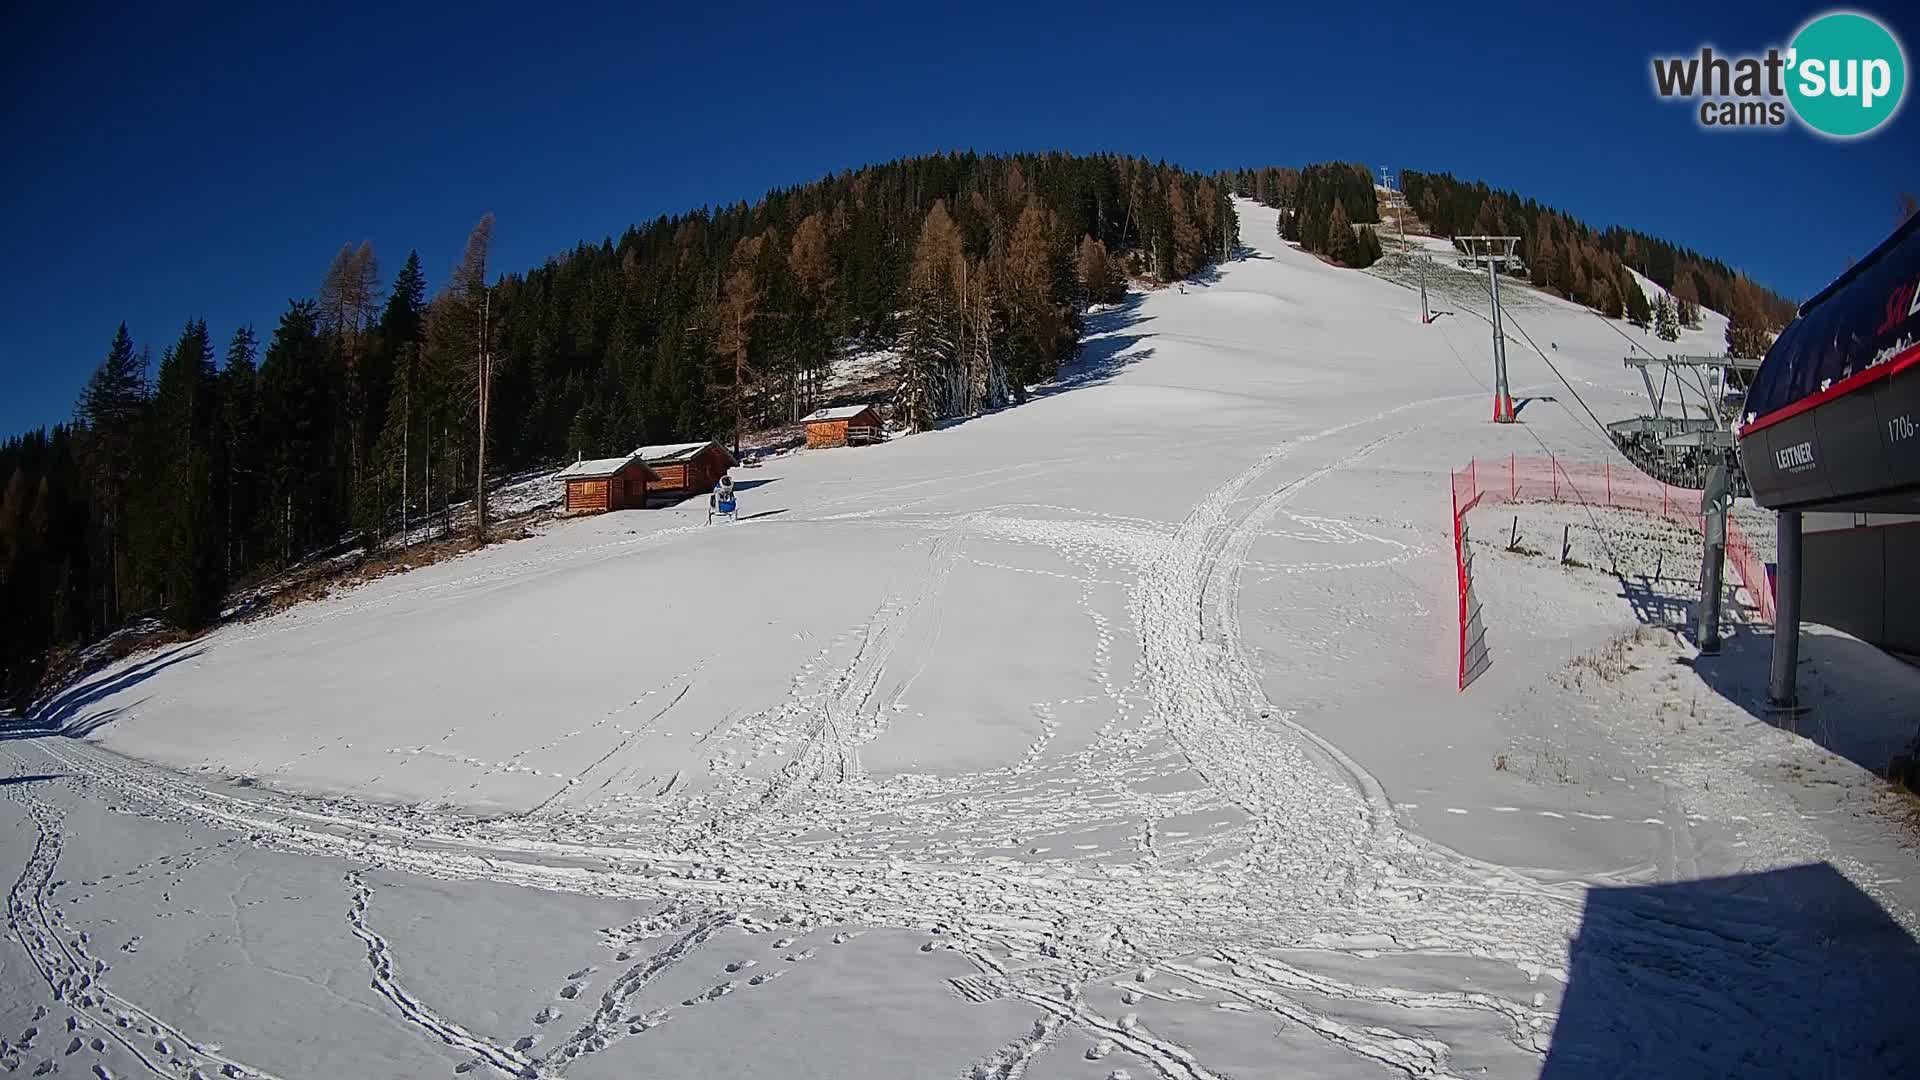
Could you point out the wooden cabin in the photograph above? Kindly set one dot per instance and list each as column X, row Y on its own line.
column 685, row 469
column 849, row 425
column 607, row 484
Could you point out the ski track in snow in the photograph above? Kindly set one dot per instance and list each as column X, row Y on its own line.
column 75, row 978
column 1319, row 845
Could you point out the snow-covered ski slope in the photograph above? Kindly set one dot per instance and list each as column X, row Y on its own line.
column 1109, row 735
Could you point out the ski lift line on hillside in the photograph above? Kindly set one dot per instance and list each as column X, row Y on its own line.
column 1495, row 251
column 1602, row 428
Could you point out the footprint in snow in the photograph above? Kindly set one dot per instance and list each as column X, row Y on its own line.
column 581, row 974
column 804, row 954
column 783, row 943
column 546, row 1015
column 525, row 1042
column 570, row 991
column 738, row 965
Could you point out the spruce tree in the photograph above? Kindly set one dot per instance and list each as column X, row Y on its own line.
column 1341, row 247
column 1639, row 312
column 239, row 395
column 188, row 422
column 1666, row 319
column 109, row 410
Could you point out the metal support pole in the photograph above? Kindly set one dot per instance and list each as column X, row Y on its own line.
column 1502, row 399
column 1713, row 561
column 1782, row 688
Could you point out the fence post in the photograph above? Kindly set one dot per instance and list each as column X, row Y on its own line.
column 1513, row 477
column 1663, row 498
column 1609, row 483
column 1553, row 466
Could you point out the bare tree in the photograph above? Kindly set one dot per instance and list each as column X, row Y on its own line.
column 459, row 341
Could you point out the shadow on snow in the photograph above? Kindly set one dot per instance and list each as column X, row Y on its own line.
column 1788, row 973
column 62, row 714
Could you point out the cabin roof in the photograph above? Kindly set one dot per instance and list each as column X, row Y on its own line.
column 844, row 412
column 600, row 468
column 674, row 453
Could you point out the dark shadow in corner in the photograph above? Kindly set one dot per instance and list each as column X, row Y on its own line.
column 56, row 715
column 1783, row 973
column 1520, row 403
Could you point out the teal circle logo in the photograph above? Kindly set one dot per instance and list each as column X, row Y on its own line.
column 1846, row 74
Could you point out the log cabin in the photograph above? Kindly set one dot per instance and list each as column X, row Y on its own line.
column 684, row 469
column 849, row 425
column 607, row 484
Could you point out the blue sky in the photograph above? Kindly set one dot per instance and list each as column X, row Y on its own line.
column 163, row 166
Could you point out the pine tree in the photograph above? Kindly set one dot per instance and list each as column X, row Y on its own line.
column 811, row 329
column 109, row 410
column 240, row 421
column 1686, row 298
column 1341, row 247
column 1666, row 319
column 739, row 308
column 1189, row 242
column 1639, row 312
column 294, row 424
column 1035, row 324
column 1367, row 247
column 187, row 415
column 1747, row 335
column 931, row 350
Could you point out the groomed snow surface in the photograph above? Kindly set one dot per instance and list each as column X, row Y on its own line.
column 1113, row 735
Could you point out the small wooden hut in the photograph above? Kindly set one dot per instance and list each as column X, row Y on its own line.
column 607, row 484
column 684, row 469
column 848, row 425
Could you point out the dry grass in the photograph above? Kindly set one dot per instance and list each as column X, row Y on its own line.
column 1903, row 784
column 323, row 580
column 70, row 664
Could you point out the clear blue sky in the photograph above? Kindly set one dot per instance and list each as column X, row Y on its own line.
column 163, row 165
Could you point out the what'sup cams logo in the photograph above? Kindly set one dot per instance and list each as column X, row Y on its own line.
column 1843, row 76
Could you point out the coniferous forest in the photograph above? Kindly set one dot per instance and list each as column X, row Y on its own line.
column 1589, row 266
column 353, row 412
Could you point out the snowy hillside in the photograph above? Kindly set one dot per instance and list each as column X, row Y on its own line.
column 1113, row 735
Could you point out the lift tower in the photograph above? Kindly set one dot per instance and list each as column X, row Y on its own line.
column 1496, row 252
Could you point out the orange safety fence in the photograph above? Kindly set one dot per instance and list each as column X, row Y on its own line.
column 1515, row 479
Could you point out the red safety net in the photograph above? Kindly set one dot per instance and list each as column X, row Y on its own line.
column 1515, row 479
